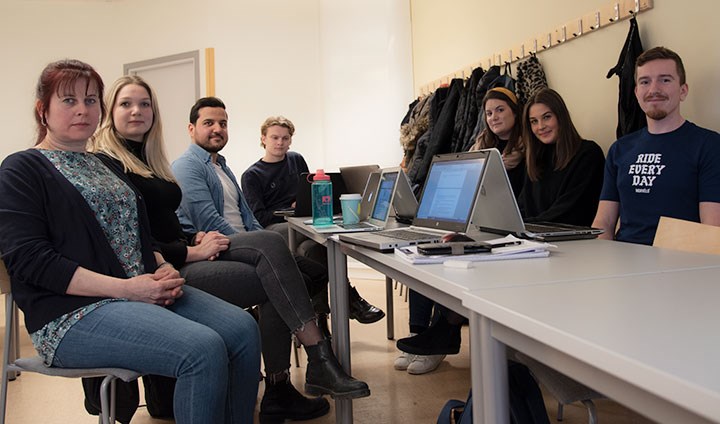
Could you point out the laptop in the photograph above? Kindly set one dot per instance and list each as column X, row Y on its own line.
column 496, row 210
column 356, row 177
column 404, row 203
column 446, row 204
column 303, row 201
column 368, row 199
column 380, row 210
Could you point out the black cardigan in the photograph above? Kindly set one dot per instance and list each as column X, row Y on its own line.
column 48, row 230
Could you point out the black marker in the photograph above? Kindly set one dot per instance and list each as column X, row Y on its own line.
column 506, row 243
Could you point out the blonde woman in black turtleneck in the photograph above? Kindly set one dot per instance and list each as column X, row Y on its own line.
column 246, row 269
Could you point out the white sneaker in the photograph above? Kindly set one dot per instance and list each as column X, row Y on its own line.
column 423, row 364
column 403, row 361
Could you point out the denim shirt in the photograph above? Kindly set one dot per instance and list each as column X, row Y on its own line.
column 202, row 205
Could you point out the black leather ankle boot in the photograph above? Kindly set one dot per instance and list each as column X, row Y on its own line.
column 282, row 401
column 361, row 310
column 324, row 375
column 322, row 323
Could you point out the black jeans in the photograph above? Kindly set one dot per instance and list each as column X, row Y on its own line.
column 258, row 269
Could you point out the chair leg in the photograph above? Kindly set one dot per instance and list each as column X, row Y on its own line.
column 107, row 400
column 560, row 411
column 296, row 347
column 389, row 308
column 7, row 353
column 592, row 411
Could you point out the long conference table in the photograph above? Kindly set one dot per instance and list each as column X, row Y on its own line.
column 633, row 322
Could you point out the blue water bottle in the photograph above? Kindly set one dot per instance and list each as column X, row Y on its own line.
column 322, row 208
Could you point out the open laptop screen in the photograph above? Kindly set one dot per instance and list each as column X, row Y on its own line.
column 449, row 193
column 383, row 199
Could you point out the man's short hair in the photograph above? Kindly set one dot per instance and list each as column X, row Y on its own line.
column 201, row 103
column 657, row 53
column 279, row 121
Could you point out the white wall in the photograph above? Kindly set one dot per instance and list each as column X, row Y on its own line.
column 450, row 35
column 340, row 70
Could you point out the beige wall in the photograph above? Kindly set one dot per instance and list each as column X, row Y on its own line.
column 450, row 35
column 340, row 70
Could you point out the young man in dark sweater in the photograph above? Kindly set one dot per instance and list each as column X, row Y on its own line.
column 270, row 184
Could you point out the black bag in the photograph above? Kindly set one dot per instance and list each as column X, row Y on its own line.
column 526, row 401
column 159, row 393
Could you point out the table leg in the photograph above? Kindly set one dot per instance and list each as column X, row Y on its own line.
column 292, row 239
column 389, row 308
column 488, row 373
column 337, row 264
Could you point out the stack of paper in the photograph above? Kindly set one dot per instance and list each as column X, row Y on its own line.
column 526, row 249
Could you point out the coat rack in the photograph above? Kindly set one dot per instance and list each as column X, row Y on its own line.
column 612, row 13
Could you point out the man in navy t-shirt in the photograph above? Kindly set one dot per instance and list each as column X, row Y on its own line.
column 671, row 168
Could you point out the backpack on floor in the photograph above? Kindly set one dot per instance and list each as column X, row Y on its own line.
column 526, row 401
column 456, row 411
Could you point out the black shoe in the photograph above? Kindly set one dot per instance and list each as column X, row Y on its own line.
column 324, row 376
column 442, row 338
column 282, row 401
column 361, row 310
column 323, row 325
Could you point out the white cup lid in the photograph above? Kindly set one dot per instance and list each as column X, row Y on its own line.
column 350, row 196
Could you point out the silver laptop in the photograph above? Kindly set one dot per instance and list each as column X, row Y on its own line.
column 368, row 199
column 496, row 210
column 380, row 211
column 356, row 177
column 445, row 206
column 404, row 202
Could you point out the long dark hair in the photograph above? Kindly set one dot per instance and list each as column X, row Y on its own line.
column 54, row 79
column 568, row 141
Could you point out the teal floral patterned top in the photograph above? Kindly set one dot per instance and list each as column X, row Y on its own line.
column 115, row 208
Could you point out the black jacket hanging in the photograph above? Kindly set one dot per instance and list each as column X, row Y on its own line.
column 630, row 117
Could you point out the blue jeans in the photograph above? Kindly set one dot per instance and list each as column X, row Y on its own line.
column 210, row 346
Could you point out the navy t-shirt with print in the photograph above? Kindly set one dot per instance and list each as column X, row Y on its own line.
column 654, row 175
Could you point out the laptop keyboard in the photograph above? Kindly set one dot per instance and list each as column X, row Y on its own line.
column 408, row 235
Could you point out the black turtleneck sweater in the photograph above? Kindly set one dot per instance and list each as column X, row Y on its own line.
column 162, row 198
column 569, row 195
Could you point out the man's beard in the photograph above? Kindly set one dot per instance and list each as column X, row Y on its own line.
column 656, row 114
column 211, row 147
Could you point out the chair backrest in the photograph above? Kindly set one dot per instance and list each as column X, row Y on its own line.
column 4, row 279
column 688, row 236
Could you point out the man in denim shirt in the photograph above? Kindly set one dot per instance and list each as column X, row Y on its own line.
column 212, row 199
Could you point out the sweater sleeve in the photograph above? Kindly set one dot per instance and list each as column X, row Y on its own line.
column 252, row 189
column 25, row 243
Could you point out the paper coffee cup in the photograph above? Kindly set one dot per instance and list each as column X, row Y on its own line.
column 350, row 208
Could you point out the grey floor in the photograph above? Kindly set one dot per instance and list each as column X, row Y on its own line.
column 397, row 397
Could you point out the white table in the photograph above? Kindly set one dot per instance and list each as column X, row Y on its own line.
column 648, row 341
column 573, row 261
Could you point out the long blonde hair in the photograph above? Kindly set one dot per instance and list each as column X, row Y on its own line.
column 107, row 140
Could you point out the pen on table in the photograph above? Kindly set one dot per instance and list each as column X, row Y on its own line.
column 506, row 243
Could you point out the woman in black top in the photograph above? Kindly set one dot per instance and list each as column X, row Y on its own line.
column 564, row 171
column 252, row 268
